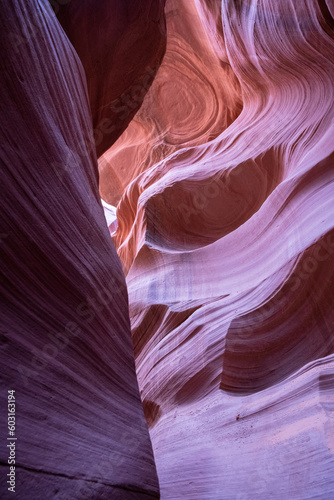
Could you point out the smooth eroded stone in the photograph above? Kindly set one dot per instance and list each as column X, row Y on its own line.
column 121, row 44
column 225, row 231
column 66, row 347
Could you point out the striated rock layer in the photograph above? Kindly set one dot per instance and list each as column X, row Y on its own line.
column 65, row 332
column 226, row 233
column 194, row 96
column 121, row 44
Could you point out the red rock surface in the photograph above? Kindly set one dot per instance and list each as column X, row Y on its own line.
column 225, row 231
column 192, row 99
column 223, row 183
column 66, row 346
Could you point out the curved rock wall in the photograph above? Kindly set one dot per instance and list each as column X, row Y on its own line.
column 66, row 346
column 194, row 96
column 224, row 185
column 225, row 231
column 120, row 44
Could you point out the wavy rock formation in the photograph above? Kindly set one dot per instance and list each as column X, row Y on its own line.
column 225, row 231
column 225, row 228
column 194, row 97
column 121, row 44
column 66, row 346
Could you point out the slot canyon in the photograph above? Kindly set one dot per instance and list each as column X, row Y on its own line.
column 167, row 249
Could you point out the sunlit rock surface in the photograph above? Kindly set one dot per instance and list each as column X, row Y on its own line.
column 194, row 96
column 111, row 217
column 225, row 231
column 223, row 183
column 65, row 332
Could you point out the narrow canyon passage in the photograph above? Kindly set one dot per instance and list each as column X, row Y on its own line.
column 188, row 351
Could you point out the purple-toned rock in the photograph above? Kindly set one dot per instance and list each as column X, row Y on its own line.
column 65, row 348
column 225, row 229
